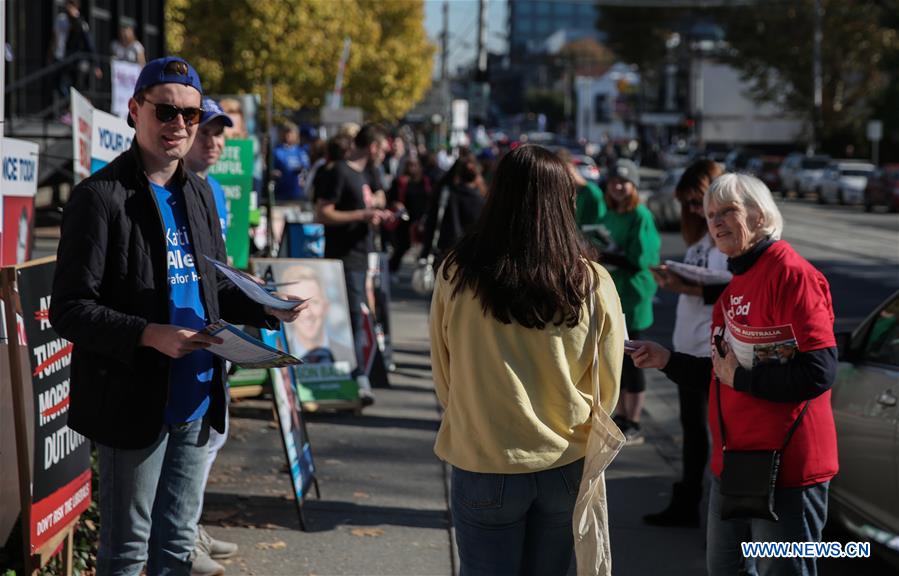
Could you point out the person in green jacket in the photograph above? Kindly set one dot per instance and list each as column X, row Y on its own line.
column 635, row 249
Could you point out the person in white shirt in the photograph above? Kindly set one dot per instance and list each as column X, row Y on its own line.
column 128, row 47
column 692, row 326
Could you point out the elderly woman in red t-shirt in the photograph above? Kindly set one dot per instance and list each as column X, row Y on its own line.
column 774, row 323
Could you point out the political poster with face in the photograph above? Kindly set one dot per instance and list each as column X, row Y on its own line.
column 322, row 336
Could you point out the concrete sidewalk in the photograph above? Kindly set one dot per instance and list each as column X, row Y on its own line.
column 384, row 505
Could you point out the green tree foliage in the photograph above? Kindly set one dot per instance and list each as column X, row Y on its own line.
column 236, row 44
column 637, row 35
column 549, row 103
column 771, row 44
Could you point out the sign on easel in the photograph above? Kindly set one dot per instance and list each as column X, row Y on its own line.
column 54, row 461
column 294, row 437
column 321, row 336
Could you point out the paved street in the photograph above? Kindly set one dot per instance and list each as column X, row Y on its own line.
column 383, row 506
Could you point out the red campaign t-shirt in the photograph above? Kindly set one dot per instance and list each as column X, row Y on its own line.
column 781, row 288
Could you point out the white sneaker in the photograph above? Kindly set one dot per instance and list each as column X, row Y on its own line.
column 203, row 565
column 365, row 393
column 218, row 549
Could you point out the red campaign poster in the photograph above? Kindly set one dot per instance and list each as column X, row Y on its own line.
column 18, row 221
column 19, row 185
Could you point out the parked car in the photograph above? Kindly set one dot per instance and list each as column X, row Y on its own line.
column 811, row 169
column 766, row 169
column 738, row 158
column 883, row 189
column 789, row 169
column 662, row 202
column 844, row 182
column 864, row 496
column 676, row 155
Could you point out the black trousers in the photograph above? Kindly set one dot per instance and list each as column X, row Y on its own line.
column 694, row 421
column 401, row 241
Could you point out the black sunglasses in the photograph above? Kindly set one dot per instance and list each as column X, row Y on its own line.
column 693, row 203
column 167, row 112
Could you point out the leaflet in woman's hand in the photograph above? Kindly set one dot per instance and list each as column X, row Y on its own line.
column 754, row 345
column 253, row 289
column 698, row 274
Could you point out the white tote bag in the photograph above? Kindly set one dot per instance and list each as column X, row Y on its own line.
column 591, row 518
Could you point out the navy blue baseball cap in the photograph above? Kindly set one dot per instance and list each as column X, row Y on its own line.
column 154, row 73
column 211, row 111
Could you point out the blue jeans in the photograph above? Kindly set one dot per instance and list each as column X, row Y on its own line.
column 149, row 502
column 515, row 523
column 802, row 513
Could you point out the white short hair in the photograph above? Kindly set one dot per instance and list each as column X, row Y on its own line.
column 750, row 192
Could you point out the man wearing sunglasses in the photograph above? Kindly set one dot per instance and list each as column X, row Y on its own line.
column 133, row 292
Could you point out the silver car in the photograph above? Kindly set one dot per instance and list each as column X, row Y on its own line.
column 844, row 182
column 865, row 493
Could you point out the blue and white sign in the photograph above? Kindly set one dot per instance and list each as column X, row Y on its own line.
column 19, row 170
column 110, row 136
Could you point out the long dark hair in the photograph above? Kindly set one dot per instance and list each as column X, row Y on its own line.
column 696, row 178
column 525, row 259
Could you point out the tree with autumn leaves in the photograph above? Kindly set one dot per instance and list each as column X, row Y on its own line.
column 237, row 44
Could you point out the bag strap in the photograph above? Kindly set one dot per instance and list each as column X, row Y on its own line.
column 794, row 426
column 721, row 417
column 595, row 330
column 441, row 210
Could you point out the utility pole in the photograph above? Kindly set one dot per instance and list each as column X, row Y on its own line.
column 478, row 91
column 481, row 68
column 444, row 41
column 444, row 81
column 818, row 97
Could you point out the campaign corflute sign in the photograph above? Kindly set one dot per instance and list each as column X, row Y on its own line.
column 61, row 478
column 19, row 178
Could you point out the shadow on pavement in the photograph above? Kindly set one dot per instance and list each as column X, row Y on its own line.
column 278, row 513
column 366, row 421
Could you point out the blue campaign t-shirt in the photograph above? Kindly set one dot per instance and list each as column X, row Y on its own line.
column 190, row 377
column 221, row 204
column 291, row 161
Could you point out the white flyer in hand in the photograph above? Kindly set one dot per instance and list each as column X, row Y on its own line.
column 628, row 345
column 252, row 288
column 244, row 350
column 698, row 274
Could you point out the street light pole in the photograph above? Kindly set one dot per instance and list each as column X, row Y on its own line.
column 817, row 80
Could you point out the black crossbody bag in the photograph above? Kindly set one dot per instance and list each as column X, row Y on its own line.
column 749, row 477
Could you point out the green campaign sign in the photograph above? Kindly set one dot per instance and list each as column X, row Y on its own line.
column 234, row 171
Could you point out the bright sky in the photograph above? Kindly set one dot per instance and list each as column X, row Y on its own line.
column 463, row 29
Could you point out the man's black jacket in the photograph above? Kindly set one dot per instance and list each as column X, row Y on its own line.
column 111, row 281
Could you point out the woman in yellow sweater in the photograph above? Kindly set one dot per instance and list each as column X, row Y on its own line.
column 513, row 334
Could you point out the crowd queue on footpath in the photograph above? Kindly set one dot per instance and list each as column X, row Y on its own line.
column 535, row 330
